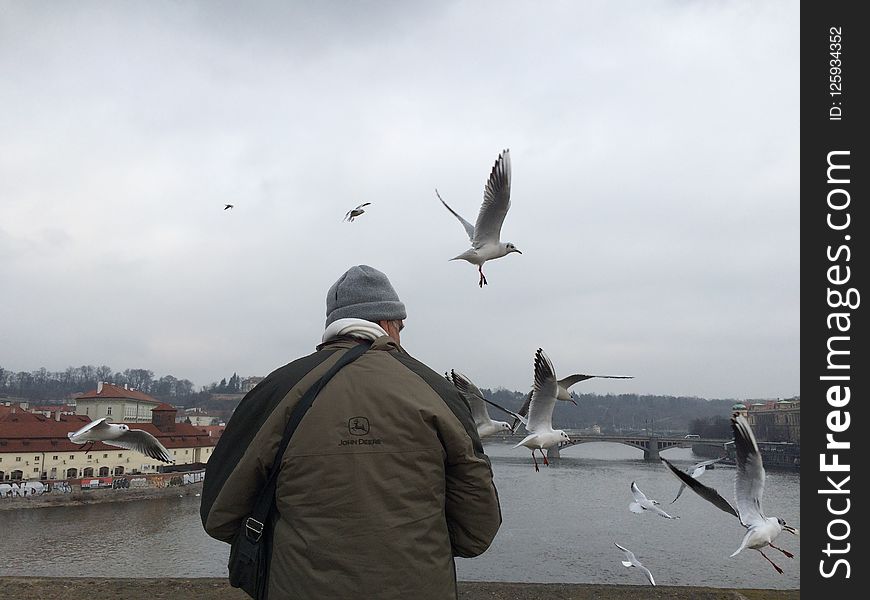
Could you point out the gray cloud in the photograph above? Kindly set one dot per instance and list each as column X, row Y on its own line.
column 655, row 185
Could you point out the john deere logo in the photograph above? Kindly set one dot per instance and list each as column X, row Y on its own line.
column 358, row 426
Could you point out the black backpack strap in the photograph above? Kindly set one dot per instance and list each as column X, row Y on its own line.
column 255, row 523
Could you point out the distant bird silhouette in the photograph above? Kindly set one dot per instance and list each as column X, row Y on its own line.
column 121, row 436
column 485, row 234
column 355, row 212
column 228, row 206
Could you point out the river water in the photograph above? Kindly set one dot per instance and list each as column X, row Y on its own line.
column 559, row 526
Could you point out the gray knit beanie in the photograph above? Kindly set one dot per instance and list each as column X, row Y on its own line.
column 363, row 292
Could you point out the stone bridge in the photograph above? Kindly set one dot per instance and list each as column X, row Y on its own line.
column 650, row 444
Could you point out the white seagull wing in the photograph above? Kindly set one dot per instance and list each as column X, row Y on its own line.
column 144, row 442
column 543, row 398
column 578, row 377
column 496, row 202
column 467, row 386
column 699, row 469
column 707, row 493
column 508, row 411
column 749, row 481
column 647, row 573
column 469, row 228
column 629, row 555
column 464, row 384
column 632, row 561
column 523, row 414
column 93, row 431
column 473, row 396
column 679, row 492
column 639, row 496
column 707, row 463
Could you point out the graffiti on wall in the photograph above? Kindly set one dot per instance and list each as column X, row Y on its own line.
column 193, row 477
column 20, row 489
column 59, row 487
column 25, row 488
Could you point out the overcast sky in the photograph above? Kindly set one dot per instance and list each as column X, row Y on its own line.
column 655, row 154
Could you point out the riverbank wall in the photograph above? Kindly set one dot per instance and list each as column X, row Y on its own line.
column 96, row 490
column 51, row 588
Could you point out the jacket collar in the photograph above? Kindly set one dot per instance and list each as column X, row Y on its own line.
column 358, row 328
column 345, row 333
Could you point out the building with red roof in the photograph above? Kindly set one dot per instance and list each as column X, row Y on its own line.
column 117, row 404
column 33, row 446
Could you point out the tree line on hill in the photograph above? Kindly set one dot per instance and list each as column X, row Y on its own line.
column 632, row 413
column 46, row 386
column 622, row 413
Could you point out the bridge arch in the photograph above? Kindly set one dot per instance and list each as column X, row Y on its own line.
column 650, row 446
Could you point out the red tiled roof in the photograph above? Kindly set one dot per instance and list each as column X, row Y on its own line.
column 28, row 432
column 53, row 408
column 115, row 391
column 213, row 431
column 164, row 406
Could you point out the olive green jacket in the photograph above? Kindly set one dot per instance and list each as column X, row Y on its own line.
column 382, row 484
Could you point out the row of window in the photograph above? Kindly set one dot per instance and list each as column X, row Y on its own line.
column 71, row 473
column 90, row 456
column 56, row 457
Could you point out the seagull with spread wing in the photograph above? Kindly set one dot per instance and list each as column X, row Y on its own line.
column 631, row 561
column 355, row 212
column 541, row 403
column 485, row 233
column 485, row 425
column 121, row 436
column 562, row 392
column 695, row 472
column 642, row 503
column 748, row 492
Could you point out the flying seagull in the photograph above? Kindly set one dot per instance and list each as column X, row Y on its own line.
column 562, row 390
column 631, row 561
column 642, row 503
column 228, row 206
column 541, row 404
column 121, row 436
column 484, row 234
column 355, row 212
column 748, row 491
column 696, row 471
column 485, row 425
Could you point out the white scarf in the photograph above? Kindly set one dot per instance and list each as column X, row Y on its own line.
column 358, row 328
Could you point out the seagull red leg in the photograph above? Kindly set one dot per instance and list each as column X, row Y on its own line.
column 778, row 570
column 536, row 460
column 786, row 552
